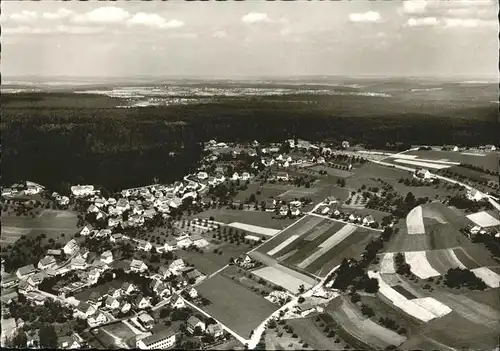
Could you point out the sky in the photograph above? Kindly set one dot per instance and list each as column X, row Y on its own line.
column 445, row 38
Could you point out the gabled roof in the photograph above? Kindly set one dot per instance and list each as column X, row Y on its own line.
column 47, row 260
column 53, row 252
column 110, row 300
column 27, row 269
column 83, row 307
column 193, row 320
column 214, row 328
column 136, row 263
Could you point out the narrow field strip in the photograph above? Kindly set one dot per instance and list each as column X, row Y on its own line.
column 434, row 306
column 319, row 231
column 423, row 164
column 400, row 301
column 278, row 277
column 465, row 258
column 470, row 309
column 430, row 213
column 443, row 260
column 387, row 264
column 488, row 276
column 328, row 244
column 415, row 221
column 420, row 265
column 283, row 245
column 254, row 228
column 287, row 255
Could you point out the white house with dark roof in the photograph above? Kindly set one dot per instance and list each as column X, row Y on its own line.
column 116, row 237
column 96, row 319
column 162, row 340
column 112, row 303
column 368, row 220
column 71, row 247
column 215, row 330
column 138, row 266
column 141, row 302
column 84, row 310
column 107, row 257
column 177, row 301
column 144, row 245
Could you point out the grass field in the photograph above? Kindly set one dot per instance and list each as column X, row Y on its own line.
column 260, row 218
column 476, row 312
column 473, row 174
column 362, row 328
column 443, row 260
column 489, row 161
column 235, row 305
column 458, row 332
column 50, row 222
column 333, row 172
column 209, row 262
column 307, row 329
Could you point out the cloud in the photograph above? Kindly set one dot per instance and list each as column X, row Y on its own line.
column 184, row 35
column 422, row 22
column 219, row 34
column 60, row 14
column 469, row 23
column 369, row 16
column 153, row 20
column 255, row 17
column 107, row 14
column 414, row 6
column 78, row 29
column 62, row 29
column 24, row 30
column 24, row 16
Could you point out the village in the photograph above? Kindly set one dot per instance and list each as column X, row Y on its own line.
column 142, row 266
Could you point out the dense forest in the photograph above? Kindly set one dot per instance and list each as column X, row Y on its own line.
column 56, row 138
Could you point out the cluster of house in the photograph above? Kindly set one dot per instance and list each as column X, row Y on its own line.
column 326, row 209
column 23, row 188
column 284, row 208
column 218, row 177
column 140, row 204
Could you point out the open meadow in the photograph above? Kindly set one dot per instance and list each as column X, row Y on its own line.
column 234, row 304
column 258, row 218
column 486, row 160
column 209, row 261
column 362, row 328
column 52, row 223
